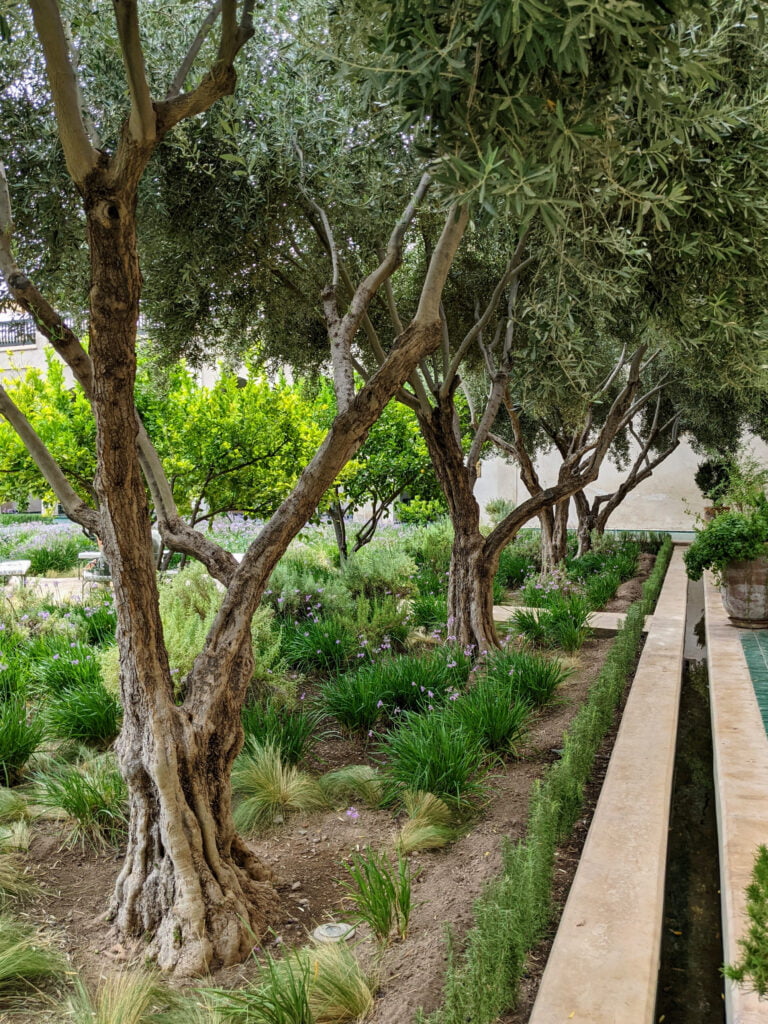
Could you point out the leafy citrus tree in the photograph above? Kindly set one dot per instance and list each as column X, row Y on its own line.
column 236, row 446
column 239, row 445
column 62, row 417
column 392, row 460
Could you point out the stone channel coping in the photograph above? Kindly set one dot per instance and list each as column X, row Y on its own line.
column 604, row 964
column 740, row 754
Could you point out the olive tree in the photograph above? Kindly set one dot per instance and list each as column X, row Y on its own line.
column 188, row 879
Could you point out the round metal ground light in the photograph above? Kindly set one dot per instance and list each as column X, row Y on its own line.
column 333, row 931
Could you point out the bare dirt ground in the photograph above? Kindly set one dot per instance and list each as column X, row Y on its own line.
column 308, row 852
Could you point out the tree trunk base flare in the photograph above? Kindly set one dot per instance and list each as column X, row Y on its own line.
column 188, row 880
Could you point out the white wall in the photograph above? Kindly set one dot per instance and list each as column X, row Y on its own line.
column 667, row 500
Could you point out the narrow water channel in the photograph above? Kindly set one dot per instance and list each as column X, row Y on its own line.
column 690, row 985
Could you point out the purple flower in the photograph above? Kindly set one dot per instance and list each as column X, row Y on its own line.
column 352, row 813
column 379, row 703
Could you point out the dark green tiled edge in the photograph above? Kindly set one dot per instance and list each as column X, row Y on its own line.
column 755, row 646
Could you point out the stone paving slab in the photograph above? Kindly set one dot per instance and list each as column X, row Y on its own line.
column 740, row 749
column 604, row 963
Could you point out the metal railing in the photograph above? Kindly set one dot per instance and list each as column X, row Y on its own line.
column 17, row 333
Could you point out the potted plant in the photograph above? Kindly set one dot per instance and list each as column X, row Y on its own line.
column 712, row 478
column 734, row 545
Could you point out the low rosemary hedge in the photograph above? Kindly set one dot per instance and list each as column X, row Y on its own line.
column 512, row 914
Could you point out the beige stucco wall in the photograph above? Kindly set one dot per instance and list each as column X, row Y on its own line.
column 668, row 500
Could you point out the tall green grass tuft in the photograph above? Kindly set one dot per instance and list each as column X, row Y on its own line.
column 430, row 752
column 513, row 913
column 92, row 796
column 289, row 730
column 492, row 712
column 20, row 736
column 381, row 893
column 86, row 713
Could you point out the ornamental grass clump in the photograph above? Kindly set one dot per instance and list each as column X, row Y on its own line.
column 492, row 712
column 319, row 984
column 25, row 958
column 126, row 997
column 431, row 752
column 429, row 825
column 86, row 713
column 325, row 645
column 267, row 788
column 533, row 678
column 353, row 782
column 96, row 623
column 66, row 664
column 21, row 733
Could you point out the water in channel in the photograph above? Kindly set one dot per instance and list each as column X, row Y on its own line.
column 690, row 989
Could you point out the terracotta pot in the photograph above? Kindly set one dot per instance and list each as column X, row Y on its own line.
column 713, row 511
column 745, row 593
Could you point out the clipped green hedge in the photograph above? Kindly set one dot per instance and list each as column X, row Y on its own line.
column 512, row 914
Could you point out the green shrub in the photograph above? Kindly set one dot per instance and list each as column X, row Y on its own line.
column 420, row 511
column 297, row 592
column 86, row 713
column 514, row 567
column 431, row 546
column 428, row 752
column 430, row 611
column 729, row 537
column 20, row 736
column 752, row 966
column 498, row 509
column 378, row 571
column 188, row 604
column 382, row 622
column 94, row 796
column 289, row 730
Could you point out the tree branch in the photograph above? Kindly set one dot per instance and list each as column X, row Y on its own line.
column 141, row 121
column 514, row 267
column 186, row 65
column 80, row 156
column 71, row 501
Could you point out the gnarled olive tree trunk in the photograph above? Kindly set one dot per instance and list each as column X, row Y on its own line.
column 188, row 880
